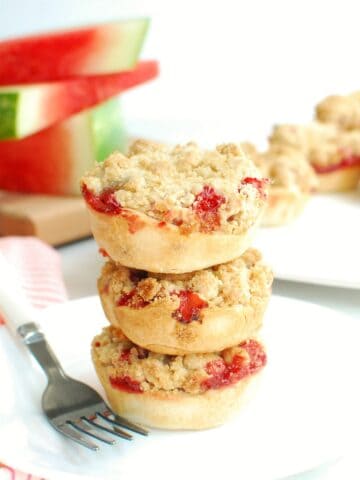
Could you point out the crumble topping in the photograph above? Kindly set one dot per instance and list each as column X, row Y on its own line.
column 322, row 144
column 241, row 281
column 342, row 110
column 195, row 189
column 286, row 167
column 134, row 369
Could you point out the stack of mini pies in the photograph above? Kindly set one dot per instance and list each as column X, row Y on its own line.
column 182, row 290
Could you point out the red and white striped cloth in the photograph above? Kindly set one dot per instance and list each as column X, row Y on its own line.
column 39, row 269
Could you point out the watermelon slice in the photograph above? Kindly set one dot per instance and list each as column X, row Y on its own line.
column 53, row 160
column 29, row 108
column 107, row 48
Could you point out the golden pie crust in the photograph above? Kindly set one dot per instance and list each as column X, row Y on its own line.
column 171, row 396
column 182, row 208
column 233, row 299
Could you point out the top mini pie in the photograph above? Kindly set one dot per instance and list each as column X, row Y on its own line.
column 175, row 210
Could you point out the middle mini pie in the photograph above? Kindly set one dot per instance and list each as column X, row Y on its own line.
column 197, row 312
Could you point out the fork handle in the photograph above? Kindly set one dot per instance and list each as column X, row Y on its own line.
column 13, row 304
column 36, row 342
column 20, row 318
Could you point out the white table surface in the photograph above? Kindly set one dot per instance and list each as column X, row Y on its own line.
column 81, row 266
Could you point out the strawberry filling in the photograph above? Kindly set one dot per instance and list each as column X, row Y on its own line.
column 103, row 252
column 125, row 355
column 206, row 206
column 346, row 162
column 132, row 300
column 223, row 374
column 258, row 183
column 126, row 384
column 190, row 306
column 106, row 203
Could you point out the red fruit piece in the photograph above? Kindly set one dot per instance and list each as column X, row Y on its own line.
column 132, row 300
column 125, row 355
column 126, row 383
column 206, row 205
column 105, row 202
column 257, row 183
column 223, row 374
column 190, row 306
column 346, row 162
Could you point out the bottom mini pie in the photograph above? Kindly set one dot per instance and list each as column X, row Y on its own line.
column 196, row 391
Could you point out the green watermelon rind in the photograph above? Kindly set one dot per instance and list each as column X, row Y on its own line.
column 8, row 108
column 137, row 30
column 105, row 139
column 17, row 110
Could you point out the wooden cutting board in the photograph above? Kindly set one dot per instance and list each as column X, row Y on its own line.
column 56, row 220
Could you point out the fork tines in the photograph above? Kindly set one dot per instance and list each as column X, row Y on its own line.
column 86, row 425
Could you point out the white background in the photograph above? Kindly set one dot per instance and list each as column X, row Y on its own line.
column 230, row 69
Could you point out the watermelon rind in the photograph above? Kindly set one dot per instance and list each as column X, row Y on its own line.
column 8, row 108
column 106, row 139
column 136, row 32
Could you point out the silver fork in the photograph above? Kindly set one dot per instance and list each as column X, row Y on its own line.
column 72, row 407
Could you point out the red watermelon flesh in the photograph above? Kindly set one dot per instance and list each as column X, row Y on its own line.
column 53, row 160
column 27, row 109
column 107, row 48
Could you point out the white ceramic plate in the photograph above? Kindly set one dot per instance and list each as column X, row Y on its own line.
column 322, row 246
column 300, row 418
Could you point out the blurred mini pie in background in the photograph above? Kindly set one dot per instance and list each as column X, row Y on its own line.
column 340, row 110
column 292, row 181
column 334, row 154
